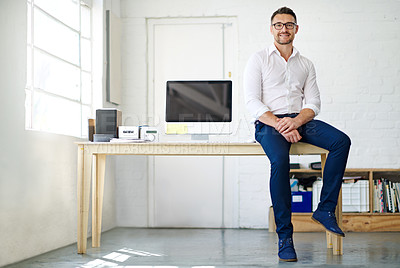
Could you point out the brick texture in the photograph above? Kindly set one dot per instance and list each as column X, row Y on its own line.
column 355, row 48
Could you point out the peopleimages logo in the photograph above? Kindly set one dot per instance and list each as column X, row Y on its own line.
column 179, row 148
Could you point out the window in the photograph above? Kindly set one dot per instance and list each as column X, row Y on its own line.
column 59, row 67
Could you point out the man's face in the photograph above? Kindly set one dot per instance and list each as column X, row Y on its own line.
column 283, row 36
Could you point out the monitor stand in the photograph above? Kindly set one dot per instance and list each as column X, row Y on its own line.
column 200, row 137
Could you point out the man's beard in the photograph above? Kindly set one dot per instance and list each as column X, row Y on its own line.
column 278, row 40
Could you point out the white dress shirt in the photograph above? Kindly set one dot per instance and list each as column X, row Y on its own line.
column 272, row 84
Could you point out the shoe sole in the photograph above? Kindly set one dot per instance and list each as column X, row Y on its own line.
column 342, row 235
column 288, row 260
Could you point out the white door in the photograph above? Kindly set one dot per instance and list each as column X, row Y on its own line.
column 186, row 191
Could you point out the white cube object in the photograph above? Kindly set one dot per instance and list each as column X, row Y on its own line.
column 128, row 132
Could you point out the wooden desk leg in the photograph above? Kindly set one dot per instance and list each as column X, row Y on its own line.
column 271, row 221
column 83, row 189
column 329, row 242
column 97, row 197
column 338, row 240
column 329, row 236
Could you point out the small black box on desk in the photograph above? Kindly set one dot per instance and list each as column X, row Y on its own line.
column 108, row 121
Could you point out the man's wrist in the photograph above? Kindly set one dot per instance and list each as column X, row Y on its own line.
column 304, row 116
column 298, row 122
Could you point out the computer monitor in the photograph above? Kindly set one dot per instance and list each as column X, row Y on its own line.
column 199, row 107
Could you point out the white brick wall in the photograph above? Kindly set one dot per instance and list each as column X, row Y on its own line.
column 354, row 46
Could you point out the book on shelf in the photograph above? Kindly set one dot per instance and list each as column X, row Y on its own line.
column 393, row 194
column 377, row 196
column 389, row 197
column 397, row 188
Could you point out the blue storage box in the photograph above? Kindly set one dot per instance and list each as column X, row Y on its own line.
column 301, row 201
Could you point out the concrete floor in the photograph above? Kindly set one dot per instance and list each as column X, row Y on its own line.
column 214, row 248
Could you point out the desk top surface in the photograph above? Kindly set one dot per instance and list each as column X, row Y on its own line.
column 189, row 148
column 174, row 143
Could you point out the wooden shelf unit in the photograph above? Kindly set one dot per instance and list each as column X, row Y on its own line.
column 354, row 221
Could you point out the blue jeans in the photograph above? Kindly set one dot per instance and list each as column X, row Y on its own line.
column 276, row 147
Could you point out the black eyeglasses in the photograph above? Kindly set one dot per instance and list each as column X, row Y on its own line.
column 288, row 25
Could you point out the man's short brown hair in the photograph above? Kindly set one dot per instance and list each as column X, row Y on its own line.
column 284, row 10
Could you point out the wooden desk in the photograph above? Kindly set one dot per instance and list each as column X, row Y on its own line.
column 92, row 157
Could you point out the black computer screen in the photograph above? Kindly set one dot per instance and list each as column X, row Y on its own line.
column 199, row 101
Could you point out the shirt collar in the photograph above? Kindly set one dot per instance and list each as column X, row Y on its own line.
column 272, row 48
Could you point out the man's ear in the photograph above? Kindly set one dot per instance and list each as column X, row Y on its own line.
column 270, row 29
column 297, row 28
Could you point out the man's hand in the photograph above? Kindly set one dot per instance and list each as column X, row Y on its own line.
column 286, row 125
column 292, row 136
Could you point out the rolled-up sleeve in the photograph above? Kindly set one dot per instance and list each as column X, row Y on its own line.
column 252, row 84
column 312, row 99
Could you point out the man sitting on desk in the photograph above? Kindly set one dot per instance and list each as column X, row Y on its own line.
column 277, row 81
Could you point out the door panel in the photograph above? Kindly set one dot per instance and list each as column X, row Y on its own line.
column 187, row 191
